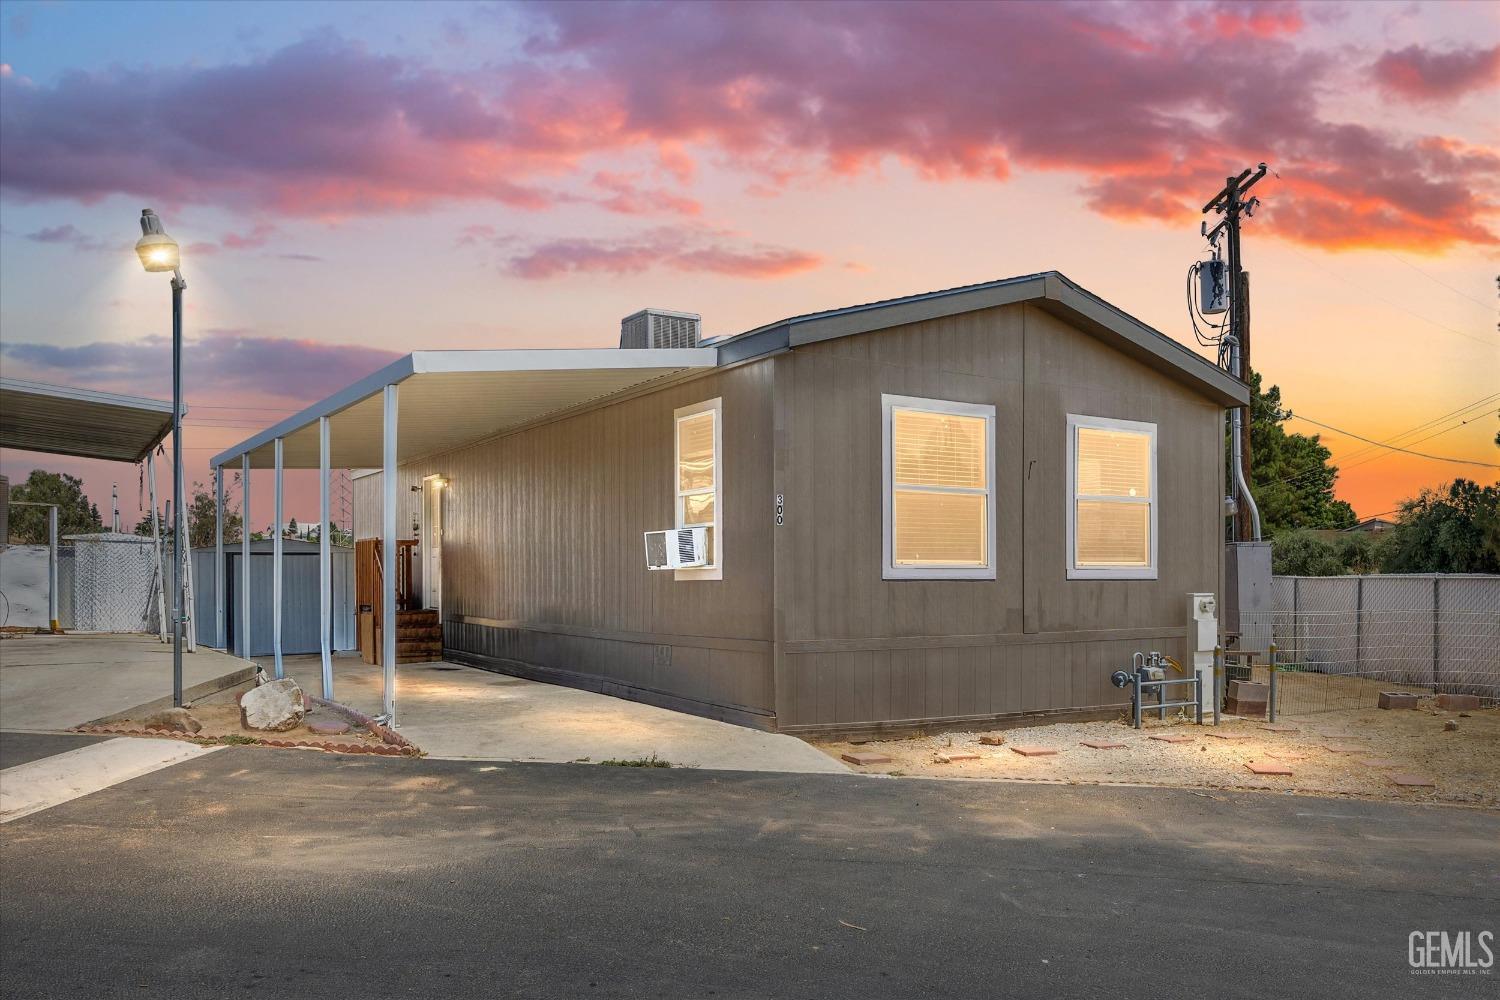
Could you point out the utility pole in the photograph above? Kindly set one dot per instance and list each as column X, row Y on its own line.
column 1231, row 203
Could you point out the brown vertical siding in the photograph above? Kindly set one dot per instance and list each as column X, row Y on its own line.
column 544, row 569
column 544, row 565
column 856, row 650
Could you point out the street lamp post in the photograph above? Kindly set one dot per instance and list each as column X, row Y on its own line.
column 158, row 253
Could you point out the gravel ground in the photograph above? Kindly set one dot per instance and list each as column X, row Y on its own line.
column 1372, row 746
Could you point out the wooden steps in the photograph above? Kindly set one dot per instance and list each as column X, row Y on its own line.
column 419, row 636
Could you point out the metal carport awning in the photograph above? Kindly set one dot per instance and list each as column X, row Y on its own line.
column 83, row 423
column 426, row 403
column 449, row 399
column 62, row 420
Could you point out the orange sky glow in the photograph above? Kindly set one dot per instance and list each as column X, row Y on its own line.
column 350, row 188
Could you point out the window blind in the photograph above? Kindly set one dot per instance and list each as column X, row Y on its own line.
column 1112, row 501
column 940, row 485
column 698, row 474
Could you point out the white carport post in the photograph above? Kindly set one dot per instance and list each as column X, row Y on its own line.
column 243, row 630
column 219, row 634
column 276, row 570
column 325, row 562
column 388, row 555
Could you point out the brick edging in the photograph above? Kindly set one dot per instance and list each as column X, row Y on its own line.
column 385, row 749
column 383, row 733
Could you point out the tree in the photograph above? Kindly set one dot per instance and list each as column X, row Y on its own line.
column 1456, row 530
column 1360, row 552
column 75, row 514
column 292, row 531
column 1305, row 552
column 336, row 536
column 1289, row 473
column 200, row 521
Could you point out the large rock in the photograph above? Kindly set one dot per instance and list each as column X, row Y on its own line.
column 173, row 720
column 274, row 707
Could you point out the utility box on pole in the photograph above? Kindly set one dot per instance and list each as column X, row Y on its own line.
column 1213, row 288
column 1247, row 596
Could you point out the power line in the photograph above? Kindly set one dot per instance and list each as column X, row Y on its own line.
column 1342, row 467
column 1429, row 277
column 257, row 409
column 1358, row 452
column 1394, row 305
column 1382, row 444
column 1419, row 428
column 1425, row 437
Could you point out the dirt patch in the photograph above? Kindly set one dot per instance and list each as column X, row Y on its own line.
column 1371, row 746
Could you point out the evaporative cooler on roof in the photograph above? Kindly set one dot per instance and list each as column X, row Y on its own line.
column 659, row 328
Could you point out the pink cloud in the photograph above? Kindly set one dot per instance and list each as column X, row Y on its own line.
column 258, row 236
column 1131, row 99
column 1257, row 18
column 1417, row 73
column 624, row 195
column 220, row 363
column 318, row 128
column 674, row 248
column 1112, row 94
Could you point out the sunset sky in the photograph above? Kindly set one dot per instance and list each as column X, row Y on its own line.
column 353, row 181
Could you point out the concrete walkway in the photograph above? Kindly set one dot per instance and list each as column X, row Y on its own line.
column 458, row 712
column 52, row 682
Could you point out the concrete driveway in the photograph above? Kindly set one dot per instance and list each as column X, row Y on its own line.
column 278, row 873
column 460, row 712
column 53, row 682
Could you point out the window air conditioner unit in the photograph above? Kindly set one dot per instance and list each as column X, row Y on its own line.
column 677, row 548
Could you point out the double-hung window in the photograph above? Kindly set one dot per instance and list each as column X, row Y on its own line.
column 1111, row 499
column 698, row 481
column 939, row 495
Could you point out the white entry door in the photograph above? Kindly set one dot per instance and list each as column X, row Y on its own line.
column 431, row 543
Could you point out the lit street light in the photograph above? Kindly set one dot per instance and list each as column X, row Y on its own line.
column 159, row 252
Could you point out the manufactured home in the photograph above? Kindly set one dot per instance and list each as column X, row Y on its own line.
column 948, row 508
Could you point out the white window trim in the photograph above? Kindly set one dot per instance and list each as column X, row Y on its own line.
column 888, row 568
column 1076, row 572
column 716, row 405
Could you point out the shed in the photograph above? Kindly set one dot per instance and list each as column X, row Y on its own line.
column 942, row 509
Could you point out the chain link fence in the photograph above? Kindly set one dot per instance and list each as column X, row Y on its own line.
column 114, row 581
column 1341, row 640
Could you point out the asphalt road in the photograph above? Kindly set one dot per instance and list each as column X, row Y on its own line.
column 23, row 748
column 295, row 874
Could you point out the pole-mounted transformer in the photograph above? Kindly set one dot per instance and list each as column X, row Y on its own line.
column 1213, row 287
